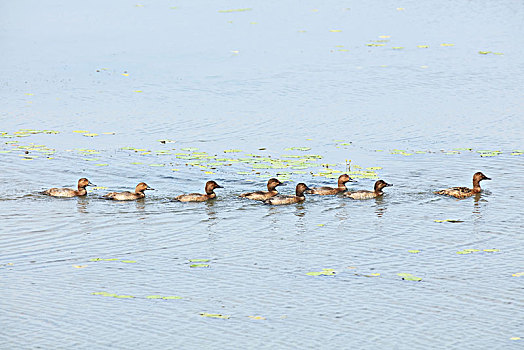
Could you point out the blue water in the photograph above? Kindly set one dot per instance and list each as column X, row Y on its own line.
column 257, row 82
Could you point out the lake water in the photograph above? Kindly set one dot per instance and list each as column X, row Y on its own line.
column 419, row 94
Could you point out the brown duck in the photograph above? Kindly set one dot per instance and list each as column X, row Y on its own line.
column 364, row 194
column 464, row 192
column 129, row 196
column 198, row 197
column 290, row 199
column 263, row 195
column 69, row 192
column 323, row 191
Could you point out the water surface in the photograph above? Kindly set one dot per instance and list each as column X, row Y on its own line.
column 397, row 91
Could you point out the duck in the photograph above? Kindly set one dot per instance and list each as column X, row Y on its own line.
column 464, row 192
column 323, row 191
column 197, row 197
column 69, row 192
column 364, row 194
column 289, row 199
column 130, row 196
column 263, row 195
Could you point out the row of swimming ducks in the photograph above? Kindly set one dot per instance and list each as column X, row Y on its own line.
column 271, row 196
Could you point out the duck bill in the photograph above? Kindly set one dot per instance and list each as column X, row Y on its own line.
column 282, row 184
column 389, row 185
column 90, row 184
column 150, row 189
column 487, row 178
column 218, row 186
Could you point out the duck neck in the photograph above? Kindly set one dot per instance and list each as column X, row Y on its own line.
column 476, row 186
column 342, row 186
column 81, row 191
column 211, row 195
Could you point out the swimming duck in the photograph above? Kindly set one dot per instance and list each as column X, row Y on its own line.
column 363, row 194
column 263, row 195
column 464, row 192
column 342, row 179
column 69, row 192
column 197, row 197
column 129, row 196
column 290, row 199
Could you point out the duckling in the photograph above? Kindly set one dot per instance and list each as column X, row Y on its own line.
column 363, row 194
column 281, row 199
column 342, row 179
column 69, row 192
column 129, row 196
column 262, row 195
column 197, row 197
column 464, row 192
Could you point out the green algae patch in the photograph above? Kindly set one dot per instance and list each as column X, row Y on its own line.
column 409, row 277
column 112, row 295
column 163, row 297
column 205, row 314
column 199, row 265
column 324, row 272
column 236, row 10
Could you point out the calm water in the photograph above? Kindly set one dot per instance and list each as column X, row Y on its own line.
column 398, row 88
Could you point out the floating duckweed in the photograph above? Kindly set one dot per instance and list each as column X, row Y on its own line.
column 198, row 260
column 414, row 251
column 423, row 46
column 448, row 220
column 324, row 272
column 128, row 261
column 257, row 317
column 199, row 265
column 397, row 47
column 136, row 163
column 163, row 297
column 105, row 294
column 157, row 165
column 409, row 277
column 90, row 135
column 232, row 151
column 104, row 164
column 205, row 314
column 484, row 52
column 518, row 274
column 447, row 45
column 235, row 10
column 491, row 250
column 91, row 159
column 80, row 131
column 335, row 30
column 297, row 149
